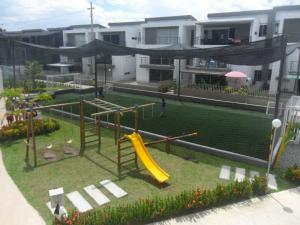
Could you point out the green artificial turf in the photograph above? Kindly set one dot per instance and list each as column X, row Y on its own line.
column 240, row 131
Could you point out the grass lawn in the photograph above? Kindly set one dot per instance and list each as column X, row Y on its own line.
column 239, row 131
column 188, row 169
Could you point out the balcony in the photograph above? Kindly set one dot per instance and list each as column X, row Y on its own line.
column 157, row 63
column 222, row 41
column 211, row 67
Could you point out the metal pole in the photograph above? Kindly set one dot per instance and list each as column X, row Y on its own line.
column 179, row 79
column 271, row 151
column 14, row 63
column 298, row 71
column 91, row 15
column 105, row 73
column 282, row 61
column 96, row 78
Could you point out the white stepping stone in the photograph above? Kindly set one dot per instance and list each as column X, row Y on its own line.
column 96, row 194
column 253, row 174
column 79, row 202
column 239, row 174
column 225, row 172
column 61, row 211
column 272, row 184
column 113, row 188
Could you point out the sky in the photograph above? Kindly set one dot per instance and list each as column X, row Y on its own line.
column 32, row 14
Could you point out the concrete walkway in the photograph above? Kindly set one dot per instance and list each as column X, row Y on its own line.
column 279, row 208
column 14, row 209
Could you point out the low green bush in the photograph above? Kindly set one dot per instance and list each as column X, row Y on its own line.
column 167, row 85
column 293, row 174
column 18, row 129
column 148, row 210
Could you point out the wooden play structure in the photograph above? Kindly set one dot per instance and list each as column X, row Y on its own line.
column 90, row 133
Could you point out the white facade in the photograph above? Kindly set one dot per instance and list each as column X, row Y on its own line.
column 186, row 30
column 122, row 67
column 255, row 20
column 172, row 31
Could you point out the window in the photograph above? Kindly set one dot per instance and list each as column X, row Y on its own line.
column 276, row 28
column 262, row 30
column 258, row 75
column 117, row 38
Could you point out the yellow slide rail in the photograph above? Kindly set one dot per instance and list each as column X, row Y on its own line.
column 155, row 170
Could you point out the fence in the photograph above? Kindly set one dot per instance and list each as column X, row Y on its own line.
column 189, row 145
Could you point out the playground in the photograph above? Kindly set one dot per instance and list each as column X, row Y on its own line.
column 224, row 128
column 160, row 169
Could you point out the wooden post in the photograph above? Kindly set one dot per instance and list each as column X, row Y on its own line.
column 168, row 145
column 33, row 140
column 136, row 120
column 115, row 129
column 28, row 136
column 118, row 127
column 99, row 133
column 82, row 128
column 119, row 158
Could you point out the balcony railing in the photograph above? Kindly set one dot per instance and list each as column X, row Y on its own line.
column 228, row 41
column 212, row 65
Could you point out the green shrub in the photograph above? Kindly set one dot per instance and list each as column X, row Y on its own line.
column 147, row 210
column 167, row 85
column 259, row 185
column 243, row 91
column 293, row 174
column 228, row 89
column 18, row 129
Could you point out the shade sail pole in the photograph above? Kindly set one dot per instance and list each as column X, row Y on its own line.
column 282, row 62
column 298, row 71
column 96, row 78
column 179, row 79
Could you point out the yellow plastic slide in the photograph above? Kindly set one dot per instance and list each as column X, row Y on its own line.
column 158, row 173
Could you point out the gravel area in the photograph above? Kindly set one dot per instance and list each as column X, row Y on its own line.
column 291, row 156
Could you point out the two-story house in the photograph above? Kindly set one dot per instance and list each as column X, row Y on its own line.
column 236, row 28
column 160, row 32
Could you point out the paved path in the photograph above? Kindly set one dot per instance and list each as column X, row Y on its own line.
column 14, row 209
column 279, row 208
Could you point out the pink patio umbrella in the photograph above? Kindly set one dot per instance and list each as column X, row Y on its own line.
column 237, row 76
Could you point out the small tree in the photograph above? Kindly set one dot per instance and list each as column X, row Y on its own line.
column 10, row 95
column 32, row 69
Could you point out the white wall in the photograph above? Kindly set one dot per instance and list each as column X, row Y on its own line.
column 124, row 67
column 142, row 74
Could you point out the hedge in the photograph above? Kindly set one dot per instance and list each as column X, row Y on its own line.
column 293, row 174
column 18, row 129
column 158, row 208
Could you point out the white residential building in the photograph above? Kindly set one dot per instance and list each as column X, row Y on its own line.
column 117, row 67
column 219, row 29
column 243, row 27
column 160, row 32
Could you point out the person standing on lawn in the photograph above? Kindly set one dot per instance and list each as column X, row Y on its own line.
column 162, row 107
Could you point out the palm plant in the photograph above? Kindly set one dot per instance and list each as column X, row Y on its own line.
column 32, row 69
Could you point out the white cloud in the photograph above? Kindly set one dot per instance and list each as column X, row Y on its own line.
column 21, row 14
